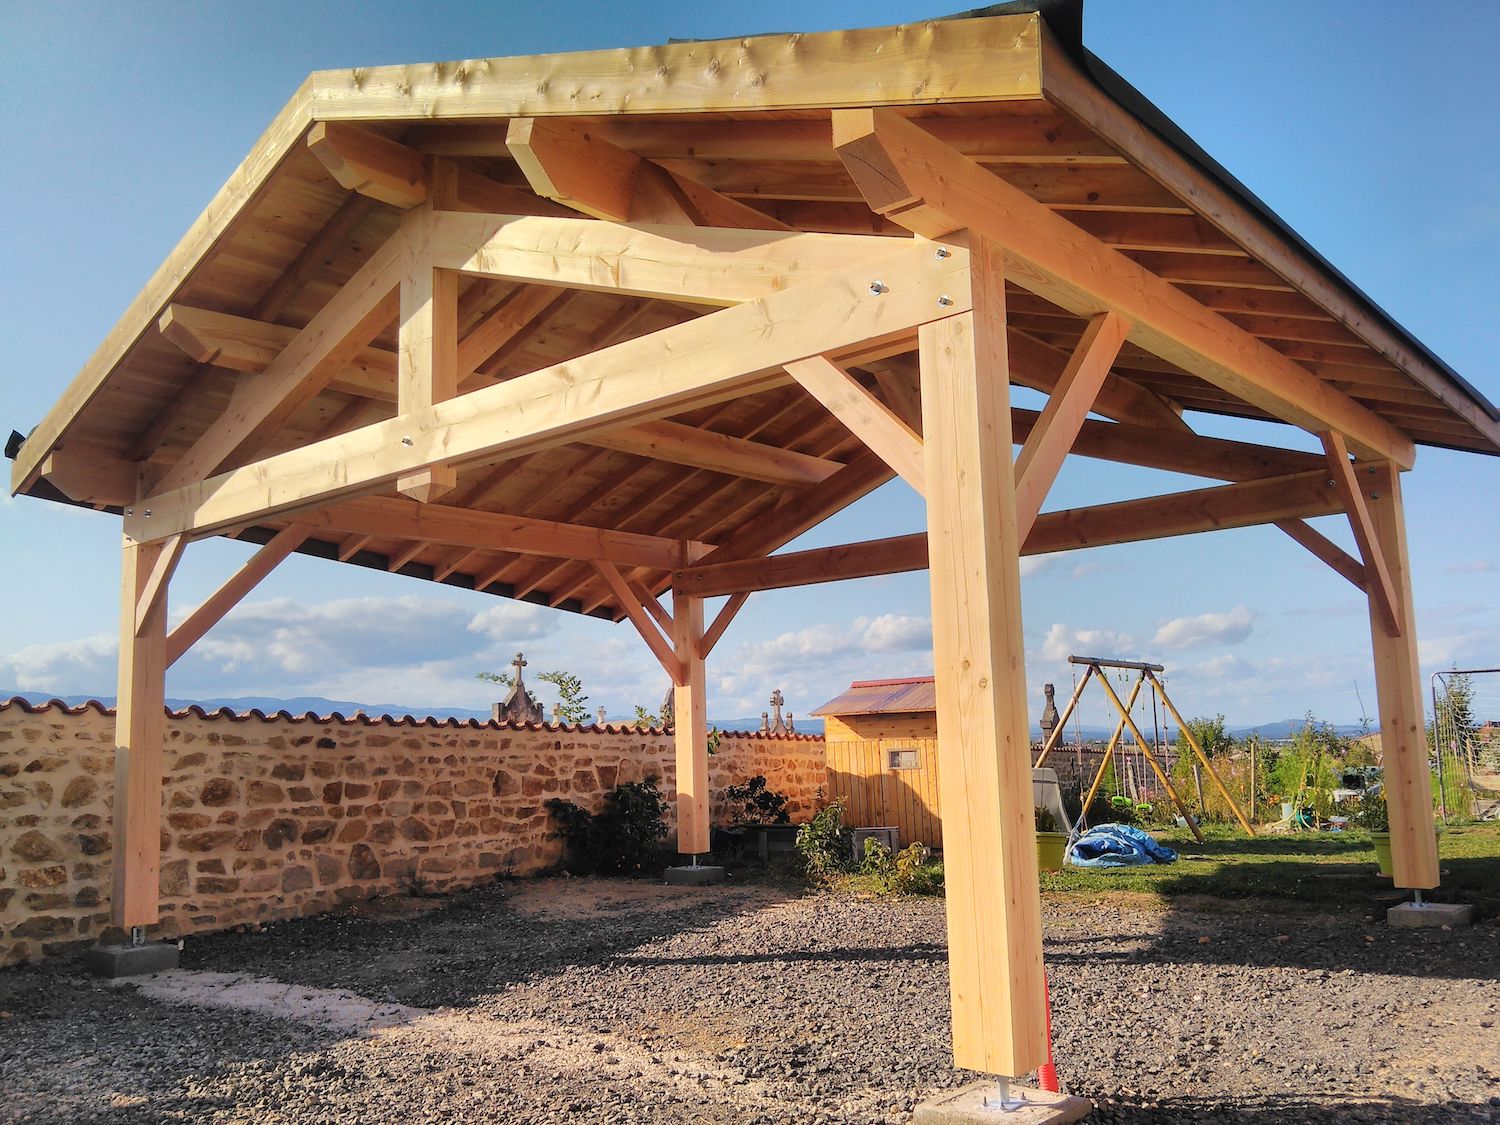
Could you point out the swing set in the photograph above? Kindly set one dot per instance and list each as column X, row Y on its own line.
column 1094, row 668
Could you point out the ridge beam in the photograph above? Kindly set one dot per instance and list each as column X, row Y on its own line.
column 913, row 178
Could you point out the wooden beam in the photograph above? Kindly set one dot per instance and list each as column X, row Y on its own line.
column 227, row 596
column 249, row 345
column 1326, row 550
column 864, row 415
column 340, row 330
column 569, row 162
column 990, row 862
column 719, row 453
column 427, row 370
column 721, row 356
column 915, row 179
column 89, row 477
column 635, row 610
column 722, row 620
column 140, row 721
column 387, row 517
column 1069, row 404
column 1351, row 490
column 690, row 727
column 946, row 61
column 370, row 164
column 516, row 314
column 154, row 591
column 1398, row 687
column 1269, row 500
column 700, row 265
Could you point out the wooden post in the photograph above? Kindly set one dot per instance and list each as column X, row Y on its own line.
column 989, row 838
column 690, row 726
column 1398, row 685
column 1254, row 745
column 140, row 722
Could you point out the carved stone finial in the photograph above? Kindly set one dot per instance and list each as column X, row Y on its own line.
column 599, row 716
column 519, row 705
column 1048, row 721
column 669, row 709
column 765, row 722
column 778, row 724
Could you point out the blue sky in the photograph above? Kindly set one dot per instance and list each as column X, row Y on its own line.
column 1361, row 124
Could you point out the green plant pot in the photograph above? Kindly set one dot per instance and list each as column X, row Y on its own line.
column 1051, row 850
column 1382, row 842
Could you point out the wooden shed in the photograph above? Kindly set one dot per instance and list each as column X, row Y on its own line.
column 881, row 740
column 588, row 329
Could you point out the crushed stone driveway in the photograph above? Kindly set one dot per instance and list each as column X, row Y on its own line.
column 613, row 1001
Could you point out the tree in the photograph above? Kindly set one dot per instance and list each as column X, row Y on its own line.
column 1453, row 726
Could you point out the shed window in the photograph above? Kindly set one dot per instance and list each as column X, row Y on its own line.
column 903, row 759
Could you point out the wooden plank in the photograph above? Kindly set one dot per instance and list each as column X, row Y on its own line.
column 1326, row 550
column 340, row 330
column 911, row 176
column 370, row 164
column 140, row 722
column 717, row 357
column 930, row 63
column 229, row 595
column 91, row 477
column 1078, row 95
column 864, row 415
column 1069, row 404
column 1351, row 490
column 721, row 622
column 990, row 862
column 690, row 727
column 388, row 517
column 1268, row 500
column 701, row 265
column 1398, row 686
column 635, row 609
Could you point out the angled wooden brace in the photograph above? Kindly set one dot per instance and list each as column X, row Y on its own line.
column 865, row 416
column 227, row 596
column 1378, row 582
column 721, row 622
column 635, row 609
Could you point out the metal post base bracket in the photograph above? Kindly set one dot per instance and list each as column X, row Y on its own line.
column 132, row 960
column 976, row 1104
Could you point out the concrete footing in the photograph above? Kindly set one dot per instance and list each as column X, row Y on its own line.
column 694, row 876
column 966, row 1106
column 1413, row 915
column 132, row 960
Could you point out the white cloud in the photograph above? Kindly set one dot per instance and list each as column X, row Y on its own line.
column 1032, row 565
column 1063, row 641
column 60, row 668
column 509, row 621
column 1206, row 628
column 895, row 632
column 1481, row 566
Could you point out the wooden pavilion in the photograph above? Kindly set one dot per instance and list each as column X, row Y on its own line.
column 584, row 329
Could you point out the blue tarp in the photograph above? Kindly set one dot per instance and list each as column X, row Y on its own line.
column 1117, row 845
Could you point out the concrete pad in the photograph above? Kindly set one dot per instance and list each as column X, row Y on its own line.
column 965, row 1106
column 132, row 960
column 694, row 876
column 1411, row 915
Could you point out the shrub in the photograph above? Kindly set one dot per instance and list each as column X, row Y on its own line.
column 908, row 872
column 623, row 839
column 754, row 803
column 823, row 842
column 1045, row 821
column 1371, row 813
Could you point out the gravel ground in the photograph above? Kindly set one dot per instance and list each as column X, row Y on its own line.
column 629, row 1002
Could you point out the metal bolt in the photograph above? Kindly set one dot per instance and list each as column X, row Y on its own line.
column 406, row 441
column 943, row 252
column 130, row 511
column 878, row 287
column 1374, row 496
column 148, row 513
column 944, row 301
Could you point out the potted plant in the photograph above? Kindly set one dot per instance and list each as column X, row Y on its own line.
column 1051, row 845
column 1373, row 816
column 760, row 820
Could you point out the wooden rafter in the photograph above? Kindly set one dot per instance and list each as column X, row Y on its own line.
column 911, row 176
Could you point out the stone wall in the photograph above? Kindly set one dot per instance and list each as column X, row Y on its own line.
column 278, row 817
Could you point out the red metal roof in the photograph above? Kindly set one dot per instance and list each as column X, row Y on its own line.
column 879, row 697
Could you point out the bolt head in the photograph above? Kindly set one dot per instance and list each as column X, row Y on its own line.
column 877, row 287
column 943, row 252
column 406, row 441
column 944, row 301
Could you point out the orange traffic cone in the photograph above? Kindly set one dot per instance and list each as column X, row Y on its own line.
column 1046, row 1074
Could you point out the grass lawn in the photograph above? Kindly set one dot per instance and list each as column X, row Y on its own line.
column 1328, row 870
